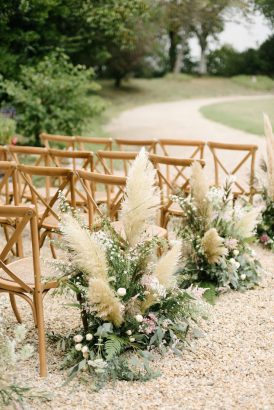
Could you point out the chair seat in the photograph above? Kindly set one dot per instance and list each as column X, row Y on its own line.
column 149, row 232
column 23, row 268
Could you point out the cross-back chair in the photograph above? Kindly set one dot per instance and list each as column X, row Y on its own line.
column 23, row 277
column 116, row 162
column 9, row 196
column 73, row 160
column 46, row 208
column 182, row 148
column 58, row 141
column 90, row 182
column 249, row 155
column 94, row 144
column 135, row 144
column 3, row 153
column 35, row 156
column 173, row 177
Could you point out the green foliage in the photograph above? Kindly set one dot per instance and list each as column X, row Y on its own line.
column 267, row 7
column 7, row 129
column 52, row 97
column 265, row 230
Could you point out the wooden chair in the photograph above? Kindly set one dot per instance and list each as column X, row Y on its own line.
column 90, row 181
column 249, row 152
column 58, row 141
column 94, row 144
column 135, row 144
column 173, row 177
column 182, row 148
column 3, row 153
column 23, row 277
column 46, row 208
column 115, row 162
column 9, row 196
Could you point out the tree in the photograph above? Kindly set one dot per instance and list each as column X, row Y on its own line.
column 267, row 8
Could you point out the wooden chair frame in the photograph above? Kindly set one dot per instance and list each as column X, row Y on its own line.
column 105, row 143
column 149, row 144
column 9, row 195
column 90, row 180
column 65, row 178
column 107, row 160
column 198, row 146
column 169, row 184
column 250, row 153
column 15, row 286
column 69, row 142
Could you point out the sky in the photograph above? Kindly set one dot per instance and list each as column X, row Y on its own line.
column 241, row 34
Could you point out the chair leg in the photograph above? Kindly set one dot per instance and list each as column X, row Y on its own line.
column 38, row 301
column 53, row 252
column 14, row 307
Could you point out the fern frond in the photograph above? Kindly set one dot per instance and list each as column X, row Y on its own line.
column 113, row 346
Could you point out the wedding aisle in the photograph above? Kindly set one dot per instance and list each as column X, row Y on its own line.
column 230, row 366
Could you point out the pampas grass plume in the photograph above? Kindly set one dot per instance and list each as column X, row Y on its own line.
column 104, row 302
column 89, row 255
column 199, row 189
column 212, row 245
column 167, row 265
column 142, row 197
column 246, row 225
column 270, row 156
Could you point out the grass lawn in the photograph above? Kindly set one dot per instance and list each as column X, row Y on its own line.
column 243, row 115
column 136, row 92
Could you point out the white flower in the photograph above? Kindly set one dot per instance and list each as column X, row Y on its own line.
column 243, row 276
column 232, row 261
column 89, row 336
column 132, row 339
column 129, row 332
column 78, row 338
column 236, row 252
column 78, row 347
column 139, row 318
column 121, row 292
column 253, row 253
column 84, row 349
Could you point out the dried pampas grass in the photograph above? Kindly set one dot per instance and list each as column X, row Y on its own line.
column 142, row 197
column 246, row 225
column 89, row 255
column 167, row 265
column 270, row 156
column 199, row 190
column 104, row 302
column 212, row 245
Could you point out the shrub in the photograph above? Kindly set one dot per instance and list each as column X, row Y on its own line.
column 7, row 129
column 53, row 97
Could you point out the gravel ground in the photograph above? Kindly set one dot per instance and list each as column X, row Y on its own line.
column 230, row 367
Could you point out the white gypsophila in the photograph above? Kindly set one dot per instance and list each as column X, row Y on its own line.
column 152, row 283
column 215, row 196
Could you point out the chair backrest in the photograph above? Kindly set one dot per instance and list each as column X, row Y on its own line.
column 8, row 183
column 91, row 181
column 181, row 148
column 58, row 141
column 3, row 153
column 94, row 144
column 25, row 215
column 115, row 162
column 173, row 174
column 242, row 154
column 62, row 179
column 135, row 144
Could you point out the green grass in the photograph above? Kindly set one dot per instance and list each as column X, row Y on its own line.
column 244, row 115
column 258, row 82
column 136, row 92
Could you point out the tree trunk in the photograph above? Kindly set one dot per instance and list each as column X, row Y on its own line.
column 203, row 62
column 172, row 50
column 179, row 63
column 118, row 81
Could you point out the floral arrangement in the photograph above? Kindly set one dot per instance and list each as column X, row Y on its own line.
column 127, row 295
column 11, row 352
column 265, row 228
column 216, row 233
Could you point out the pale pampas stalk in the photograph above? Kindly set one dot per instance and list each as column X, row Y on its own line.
column 212, row 245
column 104, row 302
column 199, row 189
column 246, row 225
column 165, row 273
column 89, row 255
column 270, row 156
column 167, row 265
column 142, row 197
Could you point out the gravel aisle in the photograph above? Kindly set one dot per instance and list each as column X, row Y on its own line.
column 231, row 367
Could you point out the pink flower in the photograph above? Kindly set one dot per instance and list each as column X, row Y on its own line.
column 149, row 325
column 231, row 243
column 264, row 238
column 14, row 140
